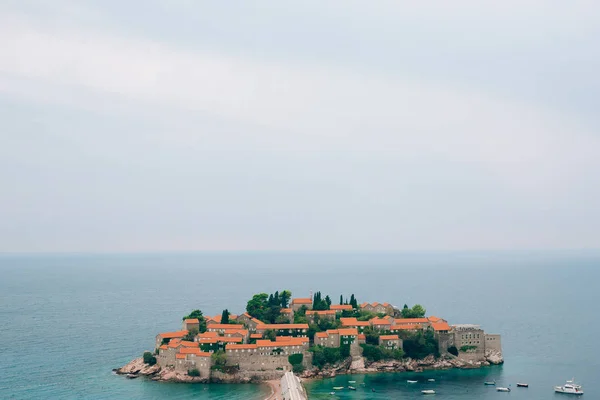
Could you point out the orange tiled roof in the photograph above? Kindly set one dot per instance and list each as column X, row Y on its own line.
column 232, row 346
column 348, row 332
column 208, row 335
column 223, row 339
column 341, row 307
column 255, row 336
column 174, row 343
column 389, row 337
column 353, row 322
column 180, row 356
column 362, row 336
column 291, row 339
column 411, row 320
column 216, row 318
column 380, row 321
column 434, row 319
column 185, row 343
column 302, row 301
column 232, row 331
column 163, row 347
column 321, row 312
column 440, row 326
column 281, row 326
column 321, row 334
column 286, row 310
column 408, row 327
column 268, row 343
column 225, row 326
column 192, row 321
column 172, row 335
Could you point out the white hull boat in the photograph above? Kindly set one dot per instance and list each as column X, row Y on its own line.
column 429, row 391
column 569, row 388
column 503, row 389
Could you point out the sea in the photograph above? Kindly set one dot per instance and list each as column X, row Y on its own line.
column 67, row 320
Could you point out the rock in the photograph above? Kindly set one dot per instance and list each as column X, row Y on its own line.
column 494, row 357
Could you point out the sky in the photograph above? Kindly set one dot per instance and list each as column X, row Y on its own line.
column 183, row 125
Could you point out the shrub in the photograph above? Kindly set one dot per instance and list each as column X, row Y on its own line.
column 466, row 349
column 296, row 359
column 194, row 372
column 453, row 350
column 298, row 368
column 149, row 358
column 421, row 344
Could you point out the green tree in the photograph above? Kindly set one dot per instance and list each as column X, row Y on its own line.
column 257, row 305
column 328, row 302
column 284, row 298
column 197, row 314
column 219, row 360
column 421, row 344
column 270, row 334
column 225, row 316
column 191, row 334
column 341, row 300
column 417, row 311
column 353, row 301
column 194, row 372
column 149, row 358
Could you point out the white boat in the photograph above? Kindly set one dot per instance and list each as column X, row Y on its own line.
column 569, row 388
column 428, row 391
column 503, row 389
column 409, row 381
column 430, row 380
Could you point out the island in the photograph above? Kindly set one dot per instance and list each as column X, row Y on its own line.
column 312, row 337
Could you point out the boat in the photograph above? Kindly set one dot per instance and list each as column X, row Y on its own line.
column 569, row 388
column 351, row 388
column 490, row 383
column 131, row 376
column 502, row 389
column 338, row 387
column 522, row 384
column 428, row 391
column 351, row 381
column 430, row 380
column 332, row 393
column 409, row 381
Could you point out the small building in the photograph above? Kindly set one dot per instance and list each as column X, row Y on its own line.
column 339, row 308
column 330, row 338
column 166, row 337
column 381, row 324
column 288, row 313
column 284, row 329
column 191, row 323
column 354, row 323
column 378, row 308
column 348, row 335
column 422, row 322
column 362, row 338
column 390, row 341
column 324, row 314
column 299, row 302
column 221, row 328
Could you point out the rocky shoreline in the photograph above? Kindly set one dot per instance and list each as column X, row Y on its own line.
column 360, row 366
column 357, row 365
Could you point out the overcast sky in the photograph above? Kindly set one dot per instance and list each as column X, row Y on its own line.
column 170, row 125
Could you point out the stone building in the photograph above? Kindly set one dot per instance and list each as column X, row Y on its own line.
column 191, row 323
column 266, row 355
column 330, row 338
column 324, row 314
column 390, row 341
column 378, row 308
column 167, row 336
column 221, row 328
column 184, row 356
column 348, row 335
column 381, row 324
column 299, row 302
column 339, row 308
column 284, row 329
column 288, row 313
column 354, row 323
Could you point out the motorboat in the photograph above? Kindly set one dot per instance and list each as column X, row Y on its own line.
column 351, row 381
column 569, row 388
column 430, row 380
column 522, row 384
column 409, row 381
column 351, row 388
column 338, row 387
column 502, row 389
column 490, row 383
column 428, row 391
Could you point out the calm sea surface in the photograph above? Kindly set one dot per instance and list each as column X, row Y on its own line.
column 66, row 321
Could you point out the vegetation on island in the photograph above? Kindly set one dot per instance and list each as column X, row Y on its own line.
column 268, row 309
column 468, row 348
column 149, row 358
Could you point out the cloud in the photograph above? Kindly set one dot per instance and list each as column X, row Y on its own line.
column 374, row 137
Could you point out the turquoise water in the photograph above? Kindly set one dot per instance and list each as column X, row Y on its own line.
column 68, row 320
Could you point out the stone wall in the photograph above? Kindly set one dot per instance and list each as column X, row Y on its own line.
column 493, row 342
